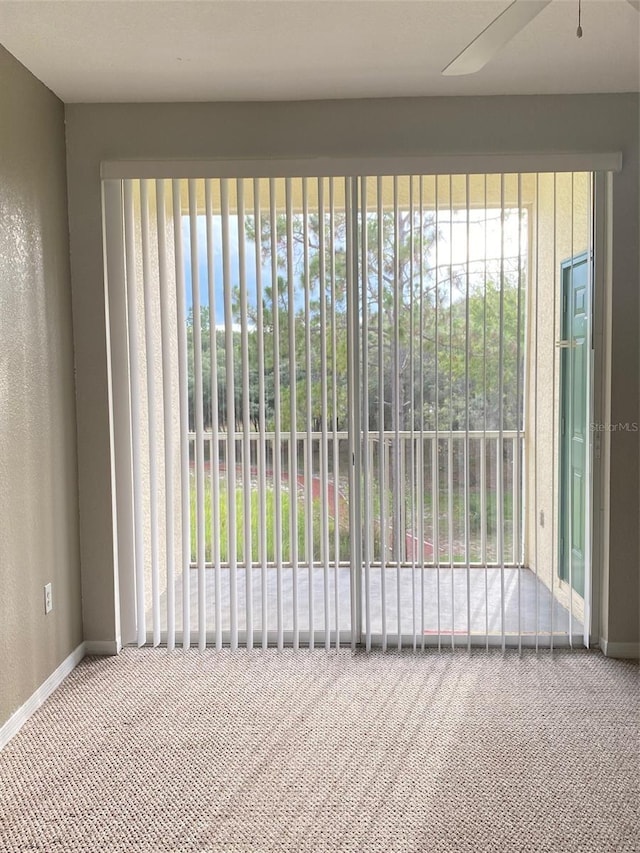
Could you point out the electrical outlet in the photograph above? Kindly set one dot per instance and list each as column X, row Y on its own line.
column 48, row 600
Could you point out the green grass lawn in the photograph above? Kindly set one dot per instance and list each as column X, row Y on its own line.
column 344, row 540
column 222, row 525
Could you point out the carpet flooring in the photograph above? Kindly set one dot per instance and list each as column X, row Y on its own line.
column 312, row 751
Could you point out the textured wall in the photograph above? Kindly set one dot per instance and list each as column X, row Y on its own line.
column 374, row 128
column 562, row 225
column 38, row 468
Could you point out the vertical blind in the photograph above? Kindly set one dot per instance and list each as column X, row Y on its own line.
column 344, row 408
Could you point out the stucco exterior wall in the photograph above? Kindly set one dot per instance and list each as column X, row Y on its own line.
column 560, row 230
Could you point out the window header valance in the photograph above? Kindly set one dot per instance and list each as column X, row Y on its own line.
column 352, row 166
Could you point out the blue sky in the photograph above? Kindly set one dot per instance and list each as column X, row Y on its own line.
column 250, row 263
column 484, row 237
column 234, row 265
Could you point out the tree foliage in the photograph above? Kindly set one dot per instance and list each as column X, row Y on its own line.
column 435, row 332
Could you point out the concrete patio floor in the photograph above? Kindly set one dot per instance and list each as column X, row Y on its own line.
column 489, row 596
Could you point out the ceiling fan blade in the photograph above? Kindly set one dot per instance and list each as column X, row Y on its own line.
column 494, row 37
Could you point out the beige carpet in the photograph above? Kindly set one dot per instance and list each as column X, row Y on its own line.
column 267, row 751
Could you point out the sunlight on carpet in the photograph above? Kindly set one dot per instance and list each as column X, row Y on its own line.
column 298, row 751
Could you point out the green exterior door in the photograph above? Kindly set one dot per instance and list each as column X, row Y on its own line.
column 574, row 439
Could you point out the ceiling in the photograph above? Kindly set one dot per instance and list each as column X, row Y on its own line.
column 228, row 50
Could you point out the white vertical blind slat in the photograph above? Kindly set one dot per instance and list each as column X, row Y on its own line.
column 136, row 424
column 554, row 333
column 214, row 455
column 467, row 357
column 198, row 411
column 398, row 485
column 353, row 420
column 324, row 440
column 232, row 544
column 567, row 394
column 421, row 460
column 516, row 449
column 436, row 439
column 293, row 418
column 118, row 353
column 381, row 416
column 334, row 410
column 167, row 410
column 262, row 446
column 152, row 407
column 451, row 419
column 412, row 446
column 247, row 487
column 183, row 390
column 483, row 458
column 589, row 345
column 367, row 471
column 534, row 443
column 277, row 445
column 500, row 447
column 308, row 447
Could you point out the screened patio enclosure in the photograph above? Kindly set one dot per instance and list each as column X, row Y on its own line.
column 352, row 410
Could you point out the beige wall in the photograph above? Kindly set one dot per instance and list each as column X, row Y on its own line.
column 38, row 469
column 393, row 127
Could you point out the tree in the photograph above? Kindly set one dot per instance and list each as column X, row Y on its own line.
column 442, row 354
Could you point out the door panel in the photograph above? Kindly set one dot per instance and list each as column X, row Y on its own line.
column 573, row 407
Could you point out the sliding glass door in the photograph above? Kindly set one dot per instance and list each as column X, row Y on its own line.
column 327, row 409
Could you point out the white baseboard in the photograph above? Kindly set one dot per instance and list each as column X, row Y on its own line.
column 628, row 651
column 102, row 647
column 20, row 717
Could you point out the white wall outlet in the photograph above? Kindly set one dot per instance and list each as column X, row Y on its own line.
column 48, row 600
